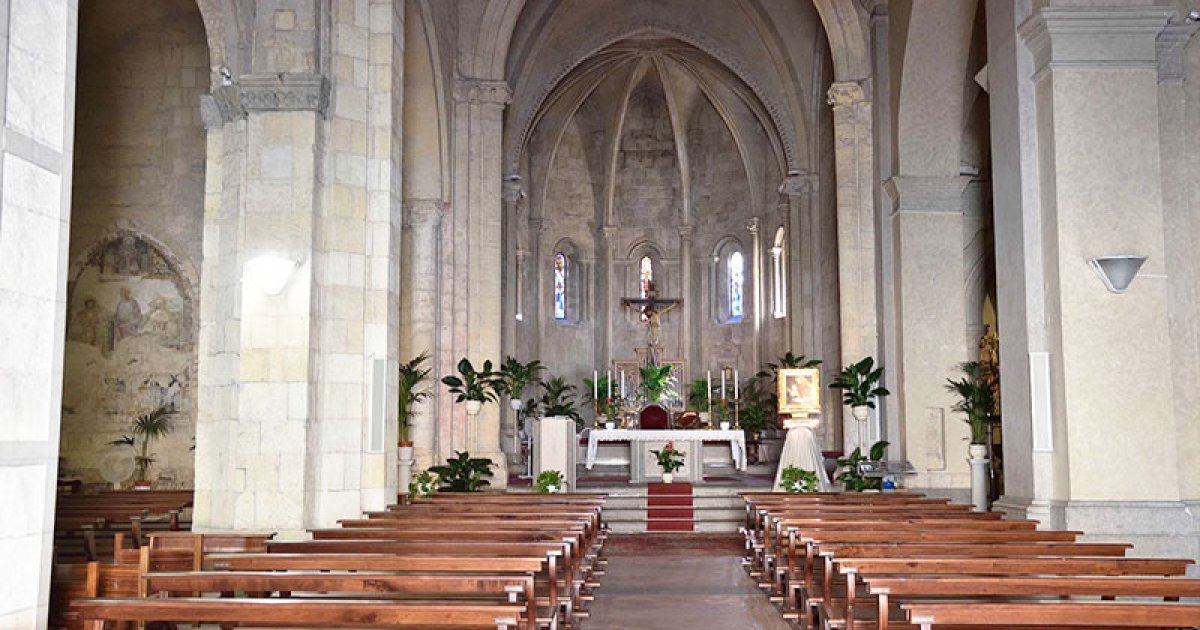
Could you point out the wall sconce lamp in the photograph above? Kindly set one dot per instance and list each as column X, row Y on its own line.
column 270, row 272
column 1117, row 272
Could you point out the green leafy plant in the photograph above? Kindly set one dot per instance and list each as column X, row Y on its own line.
column 698, row 395
column 753, row 418
column 413, row 374
column 851, row 475
column 145, row 429
column 859, row 383
column 471, row 384
column 547, row 479
column 423, row 484
column 558, row 400
column 513, row 377
column 669, row 459
column 463, row 473
column 764, row 387
column 606, row 405
column 797, row 480
column 656, row 381
column 975, row 400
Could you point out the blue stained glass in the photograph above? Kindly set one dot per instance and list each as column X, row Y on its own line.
column 737, row 282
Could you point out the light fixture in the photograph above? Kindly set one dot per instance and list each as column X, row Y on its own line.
column 270, row 272
column 1117, row 272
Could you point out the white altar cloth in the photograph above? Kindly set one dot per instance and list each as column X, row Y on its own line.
column 735, row 437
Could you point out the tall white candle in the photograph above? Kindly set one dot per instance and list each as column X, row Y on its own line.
column 709, row 387
column 735, row 385
column 595, row 385
column 622, row 384
column 722, row 383
column 608, row 379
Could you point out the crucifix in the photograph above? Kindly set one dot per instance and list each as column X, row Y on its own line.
column 652, row 309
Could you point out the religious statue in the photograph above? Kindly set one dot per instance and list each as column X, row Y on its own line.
column 652, row 309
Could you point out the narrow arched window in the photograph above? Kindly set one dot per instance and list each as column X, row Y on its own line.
column 645, row 275
column 779, row 279
column 737, row 285
column 560, row 286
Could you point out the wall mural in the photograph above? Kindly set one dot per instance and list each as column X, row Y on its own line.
column 130, row 349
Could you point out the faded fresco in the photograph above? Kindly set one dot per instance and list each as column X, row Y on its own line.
column 130, row 349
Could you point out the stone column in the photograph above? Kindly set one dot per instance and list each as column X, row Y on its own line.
column 754, row 227
column 423, row 222
column 931, row 319
column 609, row 234
column 688, row 350
column 537, row 318
column 478, row 257
column 513, row 311
column 37, row 112
column 1101, row 193
column 854, row 159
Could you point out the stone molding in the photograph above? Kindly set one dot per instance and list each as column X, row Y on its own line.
column 423, row 212
column 942, row 195
column 1170, row 44
column 485, row 91
column 285, row 92
column 753, row 225
column 1118, row 37
column 846, row 94
column 798, row 184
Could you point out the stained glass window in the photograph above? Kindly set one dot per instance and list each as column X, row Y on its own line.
column 647, row 275
column 737, row 284
column 560, row 286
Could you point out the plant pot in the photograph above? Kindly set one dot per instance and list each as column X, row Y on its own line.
column 668, row 477
column 404, row 462
column 474, row 407
column 725, row 426
column 141, row 485
column 977, row 451
column 860, row 413
column 551, row 489
column 517, row 404
column 610, row 425
column 704, row 417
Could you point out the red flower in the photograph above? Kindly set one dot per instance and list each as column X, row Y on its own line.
column 669, row 447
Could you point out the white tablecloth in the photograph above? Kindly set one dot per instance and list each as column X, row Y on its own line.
column 735, row 437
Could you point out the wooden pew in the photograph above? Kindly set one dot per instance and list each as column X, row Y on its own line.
column 1057, row 614
column 312, row 613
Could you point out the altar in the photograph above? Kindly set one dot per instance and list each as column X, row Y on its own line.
column 643, row 467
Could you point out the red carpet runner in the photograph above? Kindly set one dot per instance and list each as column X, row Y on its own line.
column 669, row 507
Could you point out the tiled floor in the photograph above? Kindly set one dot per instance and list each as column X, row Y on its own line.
column 654, row 582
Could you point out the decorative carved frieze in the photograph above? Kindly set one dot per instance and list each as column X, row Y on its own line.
column 285, row 92
column 798, row 184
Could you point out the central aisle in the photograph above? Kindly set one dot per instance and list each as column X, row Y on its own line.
column 673, row 581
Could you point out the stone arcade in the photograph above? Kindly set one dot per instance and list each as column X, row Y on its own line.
column 489, row 178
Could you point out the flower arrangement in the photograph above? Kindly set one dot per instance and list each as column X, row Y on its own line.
column 669, row 459
column 424, row 484
column 798, row 480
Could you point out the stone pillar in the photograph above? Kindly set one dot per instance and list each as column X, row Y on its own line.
column 754, row 227
column 1101, row 192
column 423, row 219
column 609, row 234
column 685, row 266
column 854, row 159
column 478, row 257
column 513, row 196
column 37, row 106
column 931, row 319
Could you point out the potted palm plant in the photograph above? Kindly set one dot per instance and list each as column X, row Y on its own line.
column 558, row 400
column 860, row 387
column 463, row 473
column 413, row 376
column 656, row 381
column 472, row 387
column 145, row 429
column 513, row 377
column 976, row 401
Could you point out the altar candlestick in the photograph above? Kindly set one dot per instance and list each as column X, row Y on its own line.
column 622, row 384
column 608, row 379
column 709, row 391
column 735, row 385
column 722, row 384
column 596, row 385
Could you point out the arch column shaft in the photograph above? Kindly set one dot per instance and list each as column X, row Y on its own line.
column 424, row 219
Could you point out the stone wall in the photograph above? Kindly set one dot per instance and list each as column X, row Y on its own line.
column 136, row 234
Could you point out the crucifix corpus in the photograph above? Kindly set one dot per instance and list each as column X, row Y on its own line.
column 652, row 309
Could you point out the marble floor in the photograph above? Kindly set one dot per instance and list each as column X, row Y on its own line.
column 656, row 581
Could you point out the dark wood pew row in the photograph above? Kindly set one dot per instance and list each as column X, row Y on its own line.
column 85, row 523
column 841, row 565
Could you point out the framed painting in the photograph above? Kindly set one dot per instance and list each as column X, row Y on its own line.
column 799, row 391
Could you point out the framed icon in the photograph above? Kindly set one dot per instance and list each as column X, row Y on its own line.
column 799, row 391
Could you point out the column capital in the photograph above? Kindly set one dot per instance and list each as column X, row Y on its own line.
column 486, row 91
column 521, row 254
column 536, row 224
column 846, row 94
column 753, row 225
column 609, row 232
column 512, row 189
column 798, row 184
column 423, row 212
column 1113, row 37
column 284, row 92
column 685, row 232
column 1170, row 44
column 927, row 194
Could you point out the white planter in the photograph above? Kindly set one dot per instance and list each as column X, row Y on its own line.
column 977, row 451
column 668, row 477
column 474, row 407
column 610, row 425
column 704, row 417
column 725, row 426
column 979, row 476
column 551, row 489
column 517, row 404
column 404, row 462
column 860, row 413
